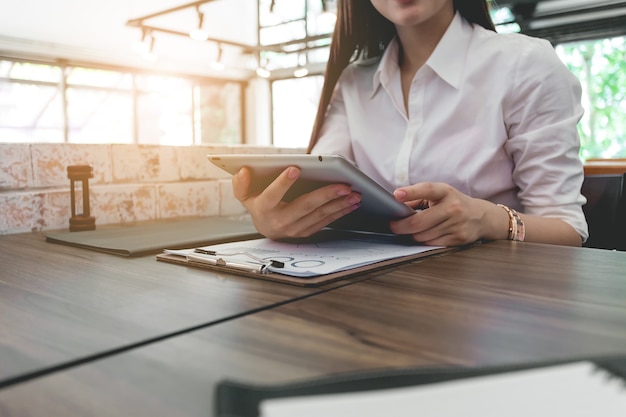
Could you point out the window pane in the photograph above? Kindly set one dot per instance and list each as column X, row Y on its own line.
column 157, row 83
column 283, row 33
column 319, row 54
column 282, row 11
column 320, row 21
column 101, row 106
column 99, row 78
column 600, row 65
column 30, row 113
column 283, row 61
column 99, row 116
column 164, row 110
column 29, row 71
column 165, row 118
column 5, row 68
column 294, row 107
column 219, row 113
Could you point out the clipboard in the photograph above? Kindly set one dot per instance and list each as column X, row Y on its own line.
column 305, row 282
column 345, row 254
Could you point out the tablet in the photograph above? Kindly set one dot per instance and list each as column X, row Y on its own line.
column 378, row 206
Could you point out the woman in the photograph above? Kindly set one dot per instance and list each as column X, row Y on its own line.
column 426, row 98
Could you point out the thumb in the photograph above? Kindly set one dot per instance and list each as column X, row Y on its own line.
column 241, row 184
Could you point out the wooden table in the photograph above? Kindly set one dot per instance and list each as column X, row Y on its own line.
column 61, row 305
column 496, row 303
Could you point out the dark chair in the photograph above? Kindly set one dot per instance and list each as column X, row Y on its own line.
column 621, row 221
column 605, row 210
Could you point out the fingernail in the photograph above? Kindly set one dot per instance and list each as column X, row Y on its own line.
column 399, row 194
column 342, row 192
column 354, row 199
column 292, row 174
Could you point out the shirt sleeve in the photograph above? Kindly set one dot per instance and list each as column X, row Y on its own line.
column 541, row 112
column 335, row 134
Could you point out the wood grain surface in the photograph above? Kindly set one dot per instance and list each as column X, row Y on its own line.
column 60, row 304
column 497, row 303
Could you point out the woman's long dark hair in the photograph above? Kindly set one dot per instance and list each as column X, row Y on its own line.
column 362, row 32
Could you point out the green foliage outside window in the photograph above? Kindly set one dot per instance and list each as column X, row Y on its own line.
column 601, row 68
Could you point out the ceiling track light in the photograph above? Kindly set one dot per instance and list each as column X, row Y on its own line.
column 299, row 46
column 328, row 17
column 301, row 70
column 150, row 55
column 199, row 34
column 262, row 70
column 218, row 65
column 141, row 46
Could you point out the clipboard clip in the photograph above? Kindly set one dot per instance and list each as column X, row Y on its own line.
column 220, row 260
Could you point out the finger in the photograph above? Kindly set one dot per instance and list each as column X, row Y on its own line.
column 340, row 194
column 418, row 204
column 433, row 191
column 328, row 213
column 434, row 234
column 275, row 192
column 445, row 240
column 335, row 209
column 420, row 222
column 449, row 235
column 447, row 232
column 291, row 223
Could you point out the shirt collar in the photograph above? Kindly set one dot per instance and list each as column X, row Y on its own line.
column 448, row 58
column 387, row 67
column 444, row 60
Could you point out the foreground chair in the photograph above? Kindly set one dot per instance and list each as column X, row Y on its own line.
column 605, row 210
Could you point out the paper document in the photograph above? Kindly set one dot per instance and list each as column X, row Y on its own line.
column 306, row 259
column 571, row 390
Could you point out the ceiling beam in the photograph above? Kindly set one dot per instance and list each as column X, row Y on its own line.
column 138, row 20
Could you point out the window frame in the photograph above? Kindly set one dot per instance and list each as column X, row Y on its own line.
column 196, row 81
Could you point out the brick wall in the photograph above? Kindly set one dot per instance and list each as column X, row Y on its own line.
column 130, row 183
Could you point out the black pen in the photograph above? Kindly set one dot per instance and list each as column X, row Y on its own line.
column 205, row 252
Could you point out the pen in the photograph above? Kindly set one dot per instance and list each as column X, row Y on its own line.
column 204, row 251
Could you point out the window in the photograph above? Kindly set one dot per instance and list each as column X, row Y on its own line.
column 31, row 108
column 600, row 65
column 303, row 25
column 220, row 118
column 51, row 103
column 164, row 107
column 99, row 106
column 294, row 105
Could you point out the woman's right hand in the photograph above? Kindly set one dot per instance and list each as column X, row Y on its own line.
column 302, row 217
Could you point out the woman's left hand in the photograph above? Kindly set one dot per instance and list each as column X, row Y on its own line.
column 451, row 217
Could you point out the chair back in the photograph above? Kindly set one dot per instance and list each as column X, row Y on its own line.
column 605, row 210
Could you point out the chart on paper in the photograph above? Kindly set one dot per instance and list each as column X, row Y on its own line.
column 311, row 258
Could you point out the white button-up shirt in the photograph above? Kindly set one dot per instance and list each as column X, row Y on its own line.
column 493, row 115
